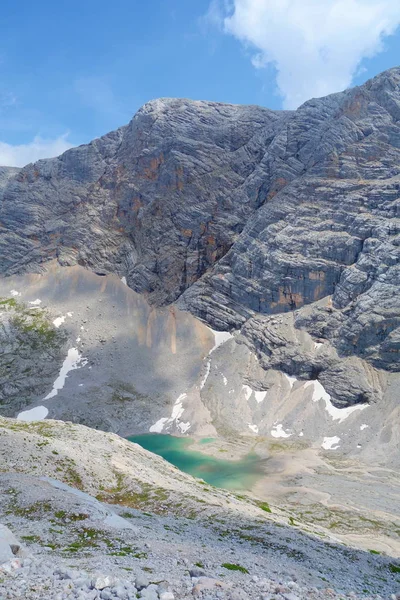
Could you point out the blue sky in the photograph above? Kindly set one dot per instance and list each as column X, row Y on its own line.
column 72, row 71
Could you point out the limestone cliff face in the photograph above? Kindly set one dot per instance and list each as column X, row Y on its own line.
column 239, row 213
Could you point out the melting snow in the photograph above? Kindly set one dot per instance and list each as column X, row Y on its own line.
column 337, row 414
column 203, row 382
column 73, row 361
column 35, row 302
column 15, row 293
column 253, row 427
column 291, row 380
column 331, row 443
column 364, row 426
column 34, row 414
column 123, row 279
column 278, row 432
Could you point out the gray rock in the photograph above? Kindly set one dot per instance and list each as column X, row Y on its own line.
column 5, row 552
column 141, row 581
column 167, row 596
column 102, row 581
column 196, row 572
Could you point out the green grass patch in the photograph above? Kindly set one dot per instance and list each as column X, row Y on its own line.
column 265, row 507
column 234, row 567
column 394, row 568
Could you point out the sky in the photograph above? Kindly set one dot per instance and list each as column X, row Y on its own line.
column 72, row 71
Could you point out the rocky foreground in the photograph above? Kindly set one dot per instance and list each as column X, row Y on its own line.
column 88, row 515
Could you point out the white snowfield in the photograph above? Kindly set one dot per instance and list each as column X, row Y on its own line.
column 337, row 414
column 34, row 414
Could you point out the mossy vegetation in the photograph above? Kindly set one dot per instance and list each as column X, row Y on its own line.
column 265, row 507
column 234, row 567
column 394, row 568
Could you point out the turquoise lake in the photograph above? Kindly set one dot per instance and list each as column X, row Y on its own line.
column 232, row 475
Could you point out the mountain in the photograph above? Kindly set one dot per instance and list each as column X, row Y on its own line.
column 281, row 228
column 228, row 273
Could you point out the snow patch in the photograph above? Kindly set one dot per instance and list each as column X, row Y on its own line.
column 331, row 443
column 35, row 302
column 159, row 425
column 317, row 345
column 34, row 414
column 78, row 339
column 253, row 427
column 260, row 396
column 247, row 391
column 15, row 293
column 337, row 414
column 73, row 361
column 178, row 409
column 225, row 379
column 69, row 314
column 291, row 380
column 364, row 426
column 208, row 368
column 59, row 321
column 301, row 434
column 123, row 279
column 183, row 427
column 278, row 432
column 220, row 337
column 177, row 412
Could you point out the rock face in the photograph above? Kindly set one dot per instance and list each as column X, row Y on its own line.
column 239, row 214
column 32, row 350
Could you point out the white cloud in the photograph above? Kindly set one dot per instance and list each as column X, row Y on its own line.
column 22, row 154
column 315, row 45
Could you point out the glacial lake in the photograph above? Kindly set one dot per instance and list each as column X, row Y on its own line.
column 232, row 475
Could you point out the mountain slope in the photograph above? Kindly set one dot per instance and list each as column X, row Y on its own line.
column 157, row 525
column 238, row 212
